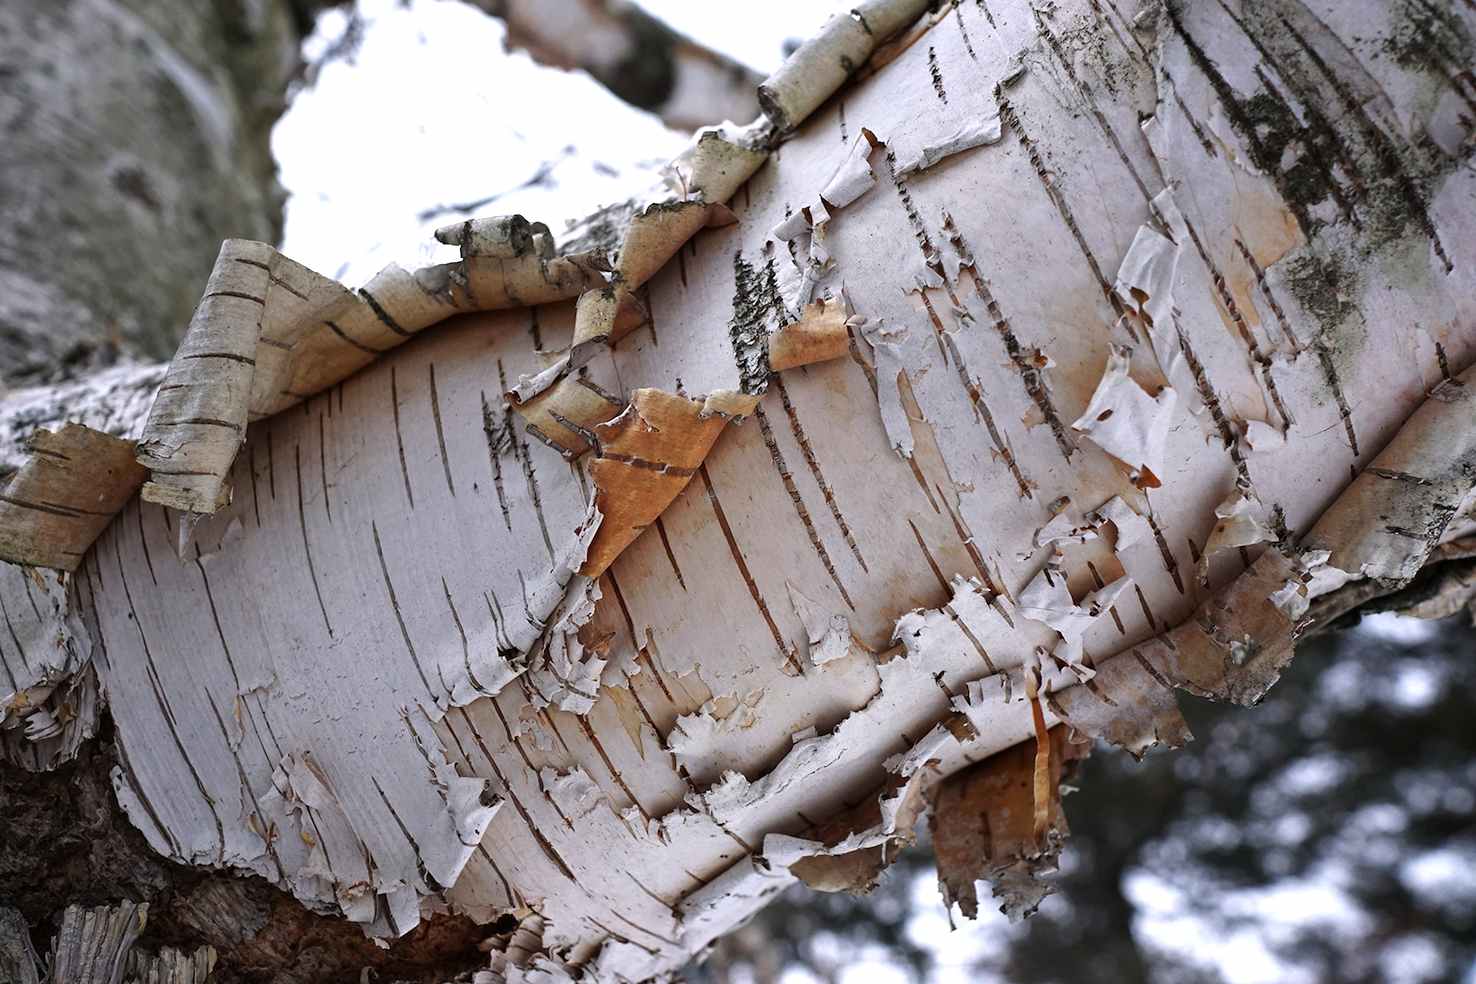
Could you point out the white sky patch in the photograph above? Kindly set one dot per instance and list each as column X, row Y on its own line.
column 1312, row 776
column 1260, row 921
column 869, row 970
column 755, row 36
column 956, row 951
column 433, row 112
column 1401, row 629
column 1442, row 876
column 1416, row 686
column 1413, row 960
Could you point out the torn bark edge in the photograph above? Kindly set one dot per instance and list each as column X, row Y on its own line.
column 644, row 459
column 1001, row 821
column 1237, row 643
column 1381, row 529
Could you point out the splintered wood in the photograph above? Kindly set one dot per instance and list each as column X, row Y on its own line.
column 620, row 614
column 48, row 691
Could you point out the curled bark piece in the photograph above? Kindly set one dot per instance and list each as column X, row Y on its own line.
column 646, row 456
column 566, row 414
column 854, row 177
column 269, row 333
column 657, row 232
column 1126, row 422
column 507, row 236
column 1240, row 522
column 64, row 496
column 506, row 261
column 975, row 132
column 396, row 305
column 827, row 630
column 819, row 335
column 711, row 168
column 847, row 853
column 719, row 160
column 602, row 317
column 298, row 301
column 233, row 365
column 822, row 64
column 1047, row 599
column 984, row 827
column 199, row 418
column 607, row 314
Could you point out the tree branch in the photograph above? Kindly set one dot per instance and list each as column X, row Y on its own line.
column 634, row 55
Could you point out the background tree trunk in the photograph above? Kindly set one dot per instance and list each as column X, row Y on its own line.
column 135, row 139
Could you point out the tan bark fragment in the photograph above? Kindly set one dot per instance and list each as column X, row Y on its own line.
column 647, row 455
column 1125, row 705
column 818, row 336
column 65, row 495
column 984, row 827
column 567, row 413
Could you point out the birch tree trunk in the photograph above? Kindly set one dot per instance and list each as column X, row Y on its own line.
column 595, row 625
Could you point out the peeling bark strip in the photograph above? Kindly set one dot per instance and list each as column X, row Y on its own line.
column 645, row 457
column 716, row 713
column 65, row 495
column 96, row 946
column 984, row 827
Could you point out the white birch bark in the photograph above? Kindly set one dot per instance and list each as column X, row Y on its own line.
column 1234, row 243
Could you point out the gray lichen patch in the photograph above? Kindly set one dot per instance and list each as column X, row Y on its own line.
column 755, row 301
column 1323, row 128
